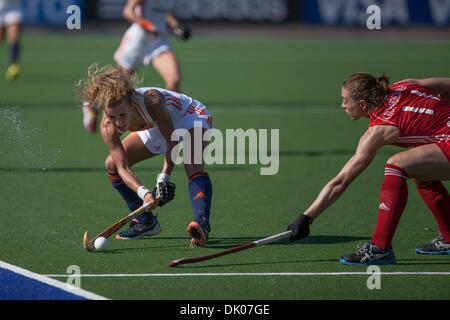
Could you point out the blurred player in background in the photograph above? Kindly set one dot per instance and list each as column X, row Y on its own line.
column 146, row 42
column 11, row 17
column 413, row 113
column 151, row 115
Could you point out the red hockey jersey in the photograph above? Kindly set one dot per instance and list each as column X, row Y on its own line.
column 420, row 116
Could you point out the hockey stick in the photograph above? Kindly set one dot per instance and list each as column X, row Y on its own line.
column 88, row 244
column 256, row 243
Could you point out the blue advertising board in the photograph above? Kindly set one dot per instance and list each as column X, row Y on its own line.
column 393, row 12
column 48, row 12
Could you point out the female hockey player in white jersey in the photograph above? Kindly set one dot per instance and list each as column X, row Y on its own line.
column 146, row 42
column 11, row 17
column 151, row 115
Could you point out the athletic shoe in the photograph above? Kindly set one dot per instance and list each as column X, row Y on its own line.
column 198, row 232
column 138, row 230
column 90, row 116
column 436, row 246
column 369, row 254
column 12, row 72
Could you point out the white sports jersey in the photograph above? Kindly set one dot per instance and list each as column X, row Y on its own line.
column 137, row 48
column 180, row 108
column 178, row 105
column 155, row 11
column 184, row 112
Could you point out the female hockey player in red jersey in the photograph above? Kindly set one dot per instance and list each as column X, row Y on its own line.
column 413, row 113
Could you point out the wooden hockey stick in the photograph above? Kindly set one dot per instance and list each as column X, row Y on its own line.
column 88, row 243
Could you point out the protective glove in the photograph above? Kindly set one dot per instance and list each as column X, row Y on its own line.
column 182, row 31
column 164, row 188
column 299, row 228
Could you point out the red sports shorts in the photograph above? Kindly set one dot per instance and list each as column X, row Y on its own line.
column 445, row 148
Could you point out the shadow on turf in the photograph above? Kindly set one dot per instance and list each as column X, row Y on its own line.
column 320, row 153
column 226, row 243
column 102, row 169
column 205, row 264
column 133, row 249
column 423, row 261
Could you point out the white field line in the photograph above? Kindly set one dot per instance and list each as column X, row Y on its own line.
column 230, row 274
column 54, row 283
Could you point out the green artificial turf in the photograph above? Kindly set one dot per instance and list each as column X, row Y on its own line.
column 54, row 185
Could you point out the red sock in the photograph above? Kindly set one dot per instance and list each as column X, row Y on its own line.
column 393, row 197
column 437, row 199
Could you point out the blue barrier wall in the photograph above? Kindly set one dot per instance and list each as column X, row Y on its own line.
column 322, row 12
column 49, row 12
column 393, row 12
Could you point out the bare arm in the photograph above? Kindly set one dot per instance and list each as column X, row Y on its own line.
column 111, row 137
column 171, row 20
column 439, row 86
column 156, row 106
column 129, row 12
column 373, row 139
column 133, row 16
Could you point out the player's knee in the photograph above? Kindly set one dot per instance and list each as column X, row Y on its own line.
column 109, row 164
column 398, row 160
column 193, row 169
